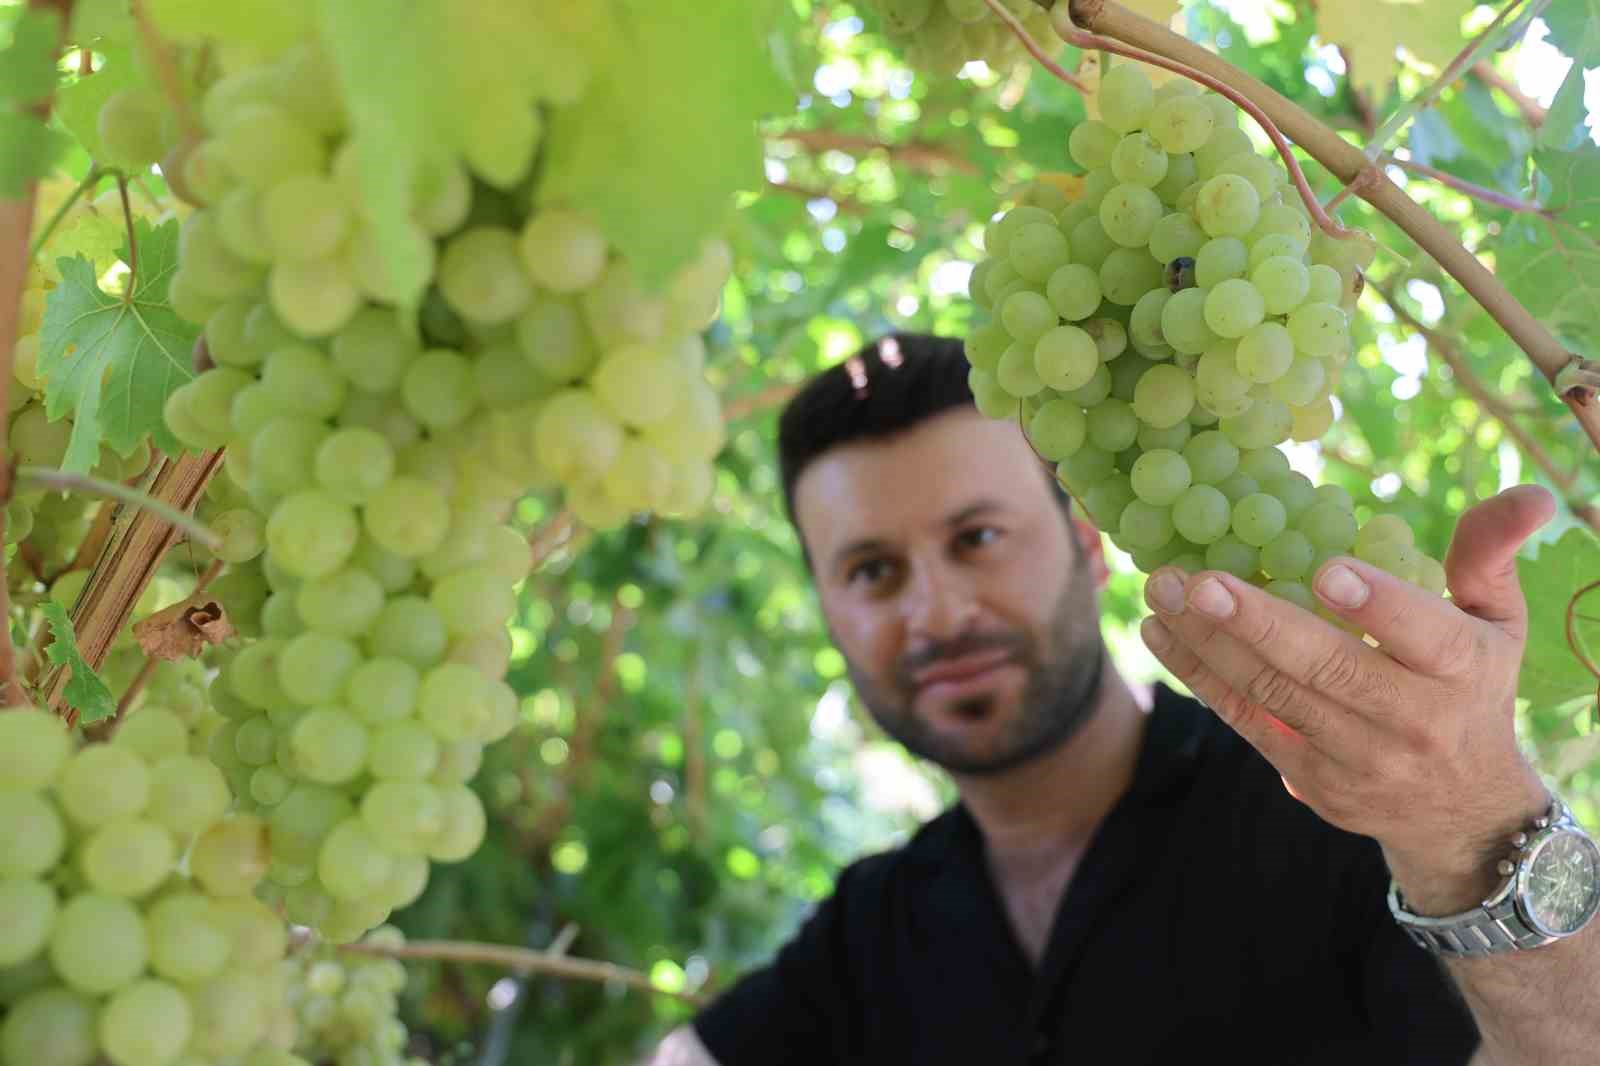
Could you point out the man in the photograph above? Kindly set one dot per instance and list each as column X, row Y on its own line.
column 1131, row 886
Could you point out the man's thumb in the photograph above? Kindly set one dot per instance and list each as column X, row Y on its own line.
column 1481, row 566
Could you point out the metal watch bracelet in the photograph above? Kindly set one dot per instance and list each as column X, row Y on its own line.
column 1492, row 927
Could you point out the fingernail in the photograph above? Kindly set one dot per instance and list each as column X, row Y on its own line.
column 1166, row 592
column 1343, row 587
column 1211, row 598
column 1156, row 636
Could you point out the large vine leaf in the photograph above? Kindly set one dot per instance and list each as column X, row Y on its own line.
column 1551, row 673
column 110, row 363
column 1369, row 33
column 1552, row 265
column 666, row 132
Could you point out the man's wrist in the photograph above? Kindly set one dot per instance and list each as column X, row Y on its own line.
column 1459, row 875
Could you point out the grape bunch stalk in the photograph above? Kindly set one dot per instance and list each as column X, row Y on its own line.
column 1161, row 334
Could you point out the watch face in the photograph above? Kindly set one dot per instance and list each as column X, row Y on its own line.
column 1561, row 883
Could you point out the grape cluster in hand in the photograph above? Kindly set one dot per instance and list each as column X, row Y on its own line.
column 1160, row 335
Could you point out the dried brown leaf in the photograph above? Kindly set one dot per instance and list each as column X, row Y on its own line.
column 182, row 630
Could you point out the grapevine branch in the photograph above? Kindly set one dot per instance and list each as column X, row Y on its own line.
column 845, row 204
column 521, row 961
column 925, row 156
column 1347, row 162
column 1446, row 349
column 139, row 540
column 1073, row 35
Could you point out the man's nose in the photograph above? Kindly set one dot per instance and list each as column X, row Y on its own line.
column 940, row 603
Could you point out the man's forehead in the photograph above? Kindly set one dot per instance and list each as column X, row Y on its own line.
column 921, row 477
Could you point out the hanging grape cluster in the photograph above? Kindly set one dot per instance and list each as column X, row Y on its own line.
column 373, row 455
column 941, row 36
column 1161, row 334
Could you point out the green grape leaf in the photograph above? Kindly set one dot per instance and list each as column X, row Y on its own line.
column 1551, row 674
column 28, row 63
column 1370, row 32
column 1574, row 26
column 1564, row 124
column 383, row 90
column 85, row 692
column 1552, row 265
column 112, row 364
column 658, row 168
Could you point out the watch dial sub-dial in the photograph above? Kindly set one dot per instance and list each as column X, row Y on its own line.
column 1561, row 886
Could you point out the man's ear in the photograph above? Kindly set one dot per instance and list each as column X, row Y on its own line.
column 1092, row 549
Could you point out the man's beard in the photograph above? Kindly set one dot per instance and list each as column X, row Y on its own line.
column 1059, row 697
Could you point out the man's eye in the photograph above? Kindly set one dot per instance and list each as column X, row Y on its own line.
column 978, row 536
column 872, row 570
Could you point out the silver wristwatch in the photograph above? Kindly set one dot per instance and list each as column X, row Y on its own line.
column 1551, row 890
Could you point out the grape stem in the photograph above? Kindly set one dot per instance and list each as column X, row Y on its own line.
column 133, row 243
column 66, row 481
column 1446, row 349
column 521, row 961
column 1467, row 188
column 1346, row 161
column 89, row 181
column 1578, row 650
column 1423, row 100
column 1033, row 47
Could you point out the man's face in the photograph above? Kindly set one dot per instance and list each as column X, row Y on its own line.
column 952, row 585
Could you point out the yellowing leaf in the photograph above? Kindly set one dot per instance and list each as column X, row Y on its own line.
column 1369, row 31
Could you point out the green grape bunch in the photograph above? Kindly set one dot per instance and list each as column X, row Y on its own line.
column 941, row 36
column 373, row 456
column 1161, row 335
column 131, row 932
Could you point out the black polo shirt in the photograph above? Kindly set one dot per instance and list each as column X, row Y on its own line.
column 1213, row 919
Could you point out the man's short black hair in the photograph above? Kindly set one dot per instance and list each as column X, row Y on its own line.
column 887, row 387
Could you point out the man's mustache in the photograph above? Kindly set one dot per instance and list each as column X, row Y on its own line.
column 915, row 662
